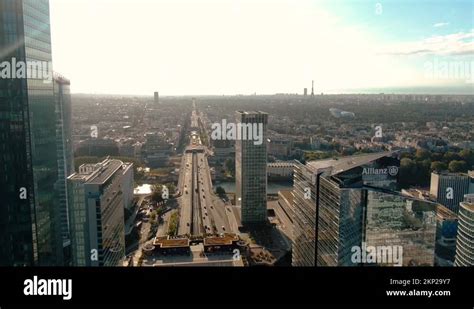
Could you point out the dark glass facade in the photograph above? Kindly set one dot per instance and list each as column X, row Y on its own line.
column 304, row 216
column 396, row 220
column 17, row 216
column 351, row 203
column 65, row 155
column 29, row 228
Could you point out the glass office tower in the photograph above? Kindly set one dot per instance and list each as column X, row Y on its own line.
column 350, row 202
column 304, row 216
column 29, row 211
column 65, row 155
column 396, row 220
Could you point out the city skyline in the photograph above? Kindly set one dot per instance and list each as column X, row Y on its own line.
column 139, row 181
column 373, row 47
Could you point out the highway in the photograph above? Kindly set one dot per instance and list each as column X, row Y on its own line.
column 201, row 211
column 186, row 199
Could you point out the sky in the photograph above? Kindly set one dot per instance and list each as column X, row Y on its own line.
column 203, row 47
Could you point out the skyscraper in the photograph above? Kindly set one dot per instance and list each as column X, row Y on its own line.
column 465, row 237
column 97, row 199
column 344, row 203
column 449, row 189
column 157, row 98
column 392, row 219
column 251, row 167
column 304, row 216
column 29, row 211
column 65, row 153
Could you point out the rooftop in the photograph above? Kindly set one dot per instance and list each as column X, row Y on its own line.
column 343, row 164
column 447, row 173
column 227, row 239
column 252, row 113
column 166, row 242
column 107, row 170
column 287, row 195
column 99, row 173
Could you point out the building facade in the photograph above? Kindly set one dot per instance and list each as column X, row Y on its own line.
column 97, row 203
column 351, row 203
column 465, row 236
column 393, row 220
column 449, row 189
column 65, row 153
column 280, row 170
column 251, row 169
column 30, row 225
column 304, row 216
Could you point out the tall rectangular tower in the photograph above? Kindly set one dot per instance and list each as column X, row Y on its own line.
column 29, row 211
column 97, row 203
column 449, row 188
column 345, row 203
column 64, row 147
column 251, row 167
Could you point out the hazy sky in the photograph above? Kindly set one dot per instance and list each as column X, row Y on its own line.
column 184, row 47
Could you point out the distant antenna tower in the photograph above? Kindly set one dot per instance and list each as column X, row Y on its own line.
column 312, row 88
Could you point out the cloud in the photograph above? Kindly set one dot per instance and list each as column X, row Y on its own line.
column 439, row 25
column 455, row 44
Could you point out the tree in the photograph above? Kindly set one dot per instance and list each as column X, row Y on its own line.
column 408, row 171
column 173, row 224
column 456, row 166
column 438, row 166
column 468, row 156
column 422, row 154
column 171, row 188
column 156, row 194
column 451, row 156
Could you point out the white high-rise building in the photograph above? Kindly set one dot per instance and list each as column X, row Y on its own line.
column 98, row 194
column 465, row 237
